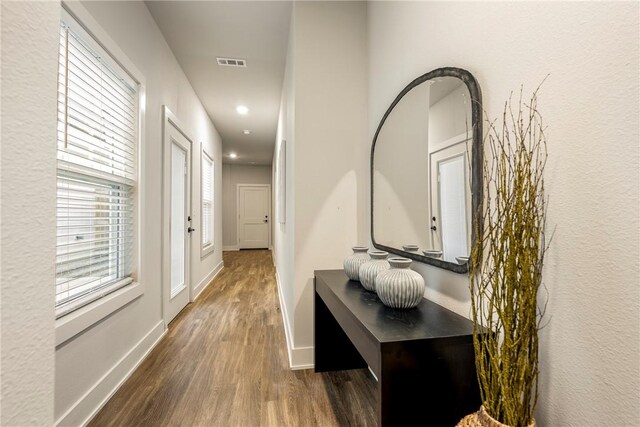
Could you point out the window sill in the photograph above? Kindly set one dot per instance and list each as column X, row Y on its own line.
column 204, row 251
column 77, row 321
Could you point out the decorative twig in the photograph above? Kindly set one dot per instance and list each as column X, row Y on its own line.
column 506, row 263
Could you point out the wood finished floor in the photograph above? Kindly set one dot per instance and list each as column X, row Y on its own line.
column 223, row 362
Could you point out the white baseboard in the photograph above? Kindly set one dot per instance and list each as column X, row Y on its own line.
column 93, row 400
column 231, row 248
column 207, row 280
column 299, row 357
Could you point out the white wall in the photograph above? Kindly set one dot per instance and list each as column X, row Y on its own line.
column 401, row 198
column 283, row 233
column 589, row 352
column 232, row 175
column 90, row 365
column 450, row 116
column 28, row 170
column 325, row 86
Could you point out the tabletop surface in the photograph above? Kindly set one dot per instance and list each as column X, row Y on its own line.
column 426, row 321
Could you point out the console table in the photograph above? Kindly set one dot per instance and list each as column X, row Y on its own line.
column 423, row 357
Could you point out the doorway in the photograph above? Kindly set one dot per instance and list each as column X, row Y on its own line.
column 450, row 201
column 254, row 210
column 177, row 230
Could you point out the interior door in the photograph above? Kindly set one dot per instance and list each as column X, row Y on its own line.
column 253, row 216
column 178, row 206
column 450, row 201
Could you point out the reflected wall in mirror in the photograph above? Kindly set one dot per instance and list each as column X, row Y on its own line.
column 425, row 170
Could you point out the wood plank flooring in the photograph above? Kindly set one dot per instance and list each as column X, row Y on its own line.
column 223, row 362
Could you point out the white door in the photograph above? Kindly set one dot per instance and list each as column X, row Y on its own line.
column 450, row 201
column 253, row 216
column 177, row 224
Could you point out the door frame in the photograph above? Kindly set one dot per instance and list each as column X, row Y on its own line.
column 434, row 199
column 238, row 186
column 168, row 118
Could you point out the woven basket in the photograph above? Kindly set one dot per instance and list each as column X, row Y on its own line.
column 482, row 419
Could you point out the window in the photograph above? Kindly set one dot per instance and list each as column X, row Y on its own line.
column 207, row 204
column 96, row 171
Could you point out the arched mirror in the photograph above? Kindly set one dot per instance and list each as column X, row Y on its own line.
column 426, row 170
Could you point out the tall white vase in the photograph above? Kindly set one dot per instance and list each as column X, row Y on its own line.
column 370, row 269
column 353, row 262
column 400, row 287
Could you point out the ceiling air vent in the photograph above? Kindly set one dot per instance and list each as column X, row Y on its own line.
column 232, row 62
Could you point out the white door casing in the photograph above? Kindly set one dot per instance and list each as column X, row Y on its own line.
column 177, row 216
column 254, row 211
column 450, row 178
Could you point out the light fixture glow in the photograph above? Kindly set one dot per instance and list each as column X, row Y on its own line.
column 246, row 131
column 241, row 109
column 233, row 155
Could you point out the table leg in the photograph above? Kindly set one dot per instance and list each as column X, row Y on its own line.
column 333, row 349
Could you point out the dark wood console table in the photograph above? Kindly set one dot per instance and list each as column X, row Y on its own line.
column 423, row 357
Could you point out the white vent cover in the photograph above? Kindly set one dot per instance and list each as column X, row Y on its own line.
column 232, row 62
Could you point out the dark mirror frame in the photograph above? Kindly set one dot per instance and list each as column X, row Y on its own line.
column 476, row 162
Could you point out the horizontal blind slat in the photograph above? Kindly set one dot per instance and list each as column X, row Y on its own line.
column 89, row 58
column 107, row 128
column 97, row 133
column 95, row 150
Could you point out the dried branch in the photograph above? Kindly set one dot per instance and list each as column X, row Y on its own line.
column 506, row 263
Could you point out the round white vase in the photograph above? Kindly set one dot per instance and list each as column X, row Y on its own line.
column 370, row 269
column 353, row 262
column 410, row 248
column 400, row 287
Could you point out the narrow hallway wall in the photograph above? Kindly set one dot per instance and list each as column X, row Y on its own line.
column 590, row 350
column 90, row 365
column 28, row 225
column 324, row 116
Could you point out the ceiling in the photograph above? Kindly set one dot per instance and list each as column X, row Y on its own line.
column 441, row 87
column 200, row 31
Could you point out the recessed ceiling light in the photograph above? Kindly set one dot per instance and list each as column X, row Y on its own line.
column 242, row 109
column 233, row 155
column 246, row 131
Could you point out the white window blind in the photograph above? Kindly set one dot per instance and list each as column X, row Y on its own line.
column 96, row 172
column 207, row 201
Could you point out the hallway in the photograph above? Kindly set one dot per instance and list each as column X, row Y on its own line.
column 223, row 362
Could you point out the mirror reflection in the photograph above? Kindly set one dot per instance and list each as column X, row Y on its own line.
column 421, row 173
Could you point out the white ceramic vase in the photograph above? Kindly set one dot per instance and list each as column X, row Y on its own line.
column 370, row 269
column 400, row 287
column 353, row 262
column 432, row 253
column 410, row 248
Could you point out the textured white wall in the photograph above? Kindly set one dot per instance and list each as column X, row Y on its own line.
column 28, row 170
column 232, row 175
column 82, row 362
column 325, row 93
column 590, row 363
